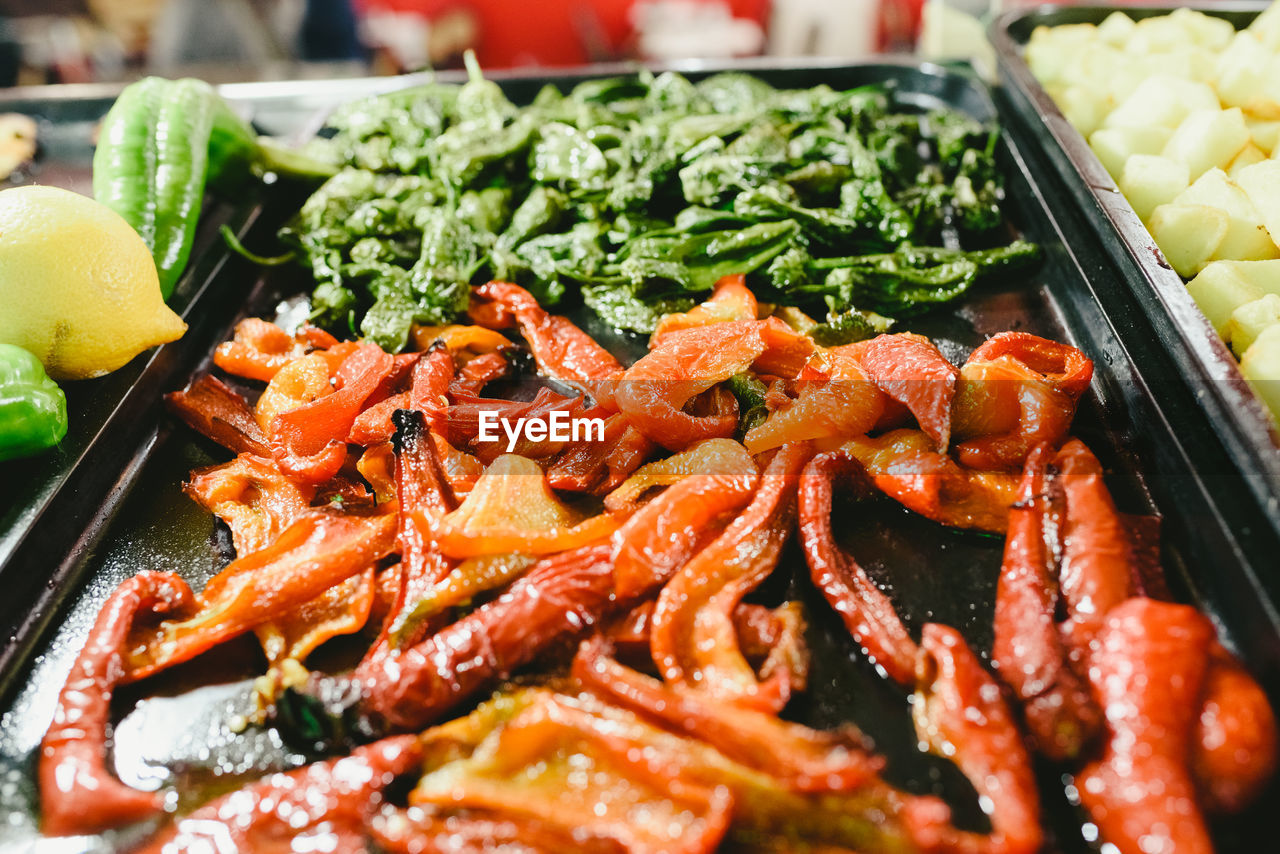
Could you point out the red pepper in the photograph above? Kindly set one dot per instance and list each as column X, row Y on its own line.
column 252, row 497
column 210, row 407
column 326, row 806
column 1148, row 671
column 397, row 831
column 309, row 442
column 559, row 597
column 1098, row 571
column 803, row 759
column 320, row 549
column 77, row 793
column 562, row 350
column 692, row 634
column 867, row 613
column 429, row 392
column 1028, row 651
column 599, row 467
column 905, row 466
column 1233, row 752
column 731, row 300
column 479, row 372
column 665, row 533
column 960, row 714
column 909, row 369
column 1016, row 391
column 465, row 423
column 258, row 350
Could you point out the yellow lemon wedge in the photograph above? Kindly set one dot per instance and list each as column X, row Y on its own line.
column 78, row 287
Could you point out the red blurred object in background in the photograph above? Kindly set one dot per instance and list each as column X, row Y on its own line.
column 513, row 33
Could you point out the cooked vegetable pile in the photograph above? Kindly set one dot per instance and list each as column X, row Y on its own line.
column 640, row 193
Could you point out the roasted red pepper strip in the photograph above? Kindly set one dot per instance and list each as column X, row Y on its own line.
column 803, row 759
column 77, row 793
column 867, row 613
column 430, row 388
column 559, row 597
column 904, row 465
column 909, row 369
column 1016, row 391
column 960, row 714
column 562, row 350
column 397, row 831
column 660, row 537
column 320, row 549
column 341, row 610
column 731, row 300
column 654, row 392
column 211, row 408
column 478, row 373
column 324, row 807
column 1233, row 752
column 692, row 634
column 309, row 442
column 1148, row 671
column 839, row 402
column 252, row 497
column 601, row 466
column 465, row 425
column 1098, row 571
column 258, row 350
column 1029, row 652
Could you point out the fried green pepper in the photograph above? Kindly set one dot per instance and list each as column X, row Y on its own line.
column 33, row 410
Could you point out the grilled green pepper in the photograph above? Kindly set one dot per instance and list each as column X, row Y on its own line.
column 33, row 410
column 159, row 143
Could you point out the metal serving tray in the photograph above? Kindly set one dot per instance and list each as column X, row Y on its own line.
column 123, row 509
column 1245, row 429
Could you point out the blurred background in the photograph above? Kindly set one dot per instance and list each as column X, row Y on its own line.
column 78, row 41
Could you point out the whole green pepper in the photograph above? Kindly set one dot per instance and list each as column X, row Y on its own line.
column 33, row 410
column 150, row 165
column 160, row 143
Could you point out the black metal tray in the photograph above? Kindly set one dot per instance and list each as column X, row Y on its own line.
column 1245, row 429
column 1150, row 432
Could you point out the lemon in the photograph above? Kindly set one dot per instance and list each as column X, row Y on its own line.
column 78, row 287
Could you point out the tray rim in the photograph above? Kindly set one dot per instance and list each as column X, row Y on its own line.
column 1253, row 440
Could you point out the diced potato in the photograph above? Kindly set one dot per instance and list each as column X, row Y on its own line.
column 1246, row 238
column 1114, row 146
column 1149, row 180
column 1261, row 367
column 1052, row 50
column 1208, row 138
column 1224, row 286
column 1265, row 133
column 1084, row 108
column 1116, row 29
column 1205, row 30
column 1266, row 27
column 1242, row 68
column 1154, row 35
column 1191, row 62
column 1250, row 155
column 1188, row 235
column 1261, row 183
column 1162, row 101
column 1249, row 320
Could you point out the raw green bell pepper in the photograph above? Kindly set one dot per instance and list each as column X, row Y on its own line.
column 33, row 410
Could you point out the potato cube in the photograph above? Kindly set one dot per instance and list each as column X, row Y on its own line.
column 1188, row 235
column 1114, row 146
column 1208, row 138
column 1116, row 29
column 1248, row 156
column 1265, row 133
column 1261, row 183
column 1162, row 101
column 1266, row 27
column 1154, row 35
column 1084, row 108
column 1052, row 51
column 1242, row 69
column 1224, row 286
column 1249, row 320
column 1149, row 180
column 1205, row 30
column 1261, row 367
column 1247, row 238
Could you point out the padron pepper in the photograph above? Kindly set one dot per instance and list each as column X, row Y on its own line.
column 159, row 145
column 33, row 410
